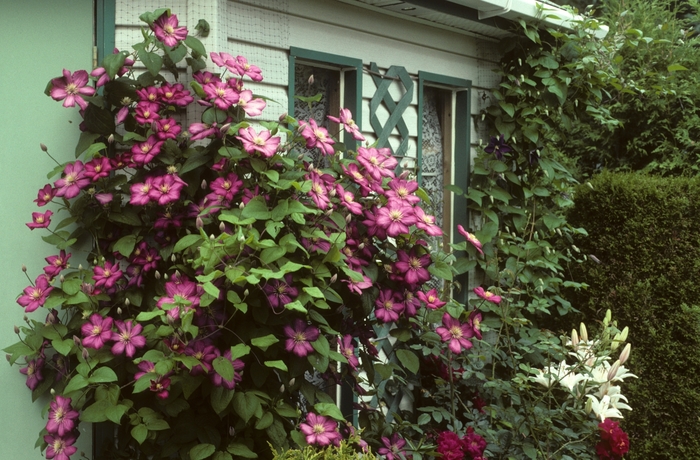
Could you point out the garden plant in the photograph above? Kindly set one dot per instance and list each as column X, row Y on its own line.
column 229, row 284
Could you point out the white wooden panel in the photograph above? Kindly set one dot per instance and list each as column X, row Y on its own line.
column 256, row 25
column 127, row 12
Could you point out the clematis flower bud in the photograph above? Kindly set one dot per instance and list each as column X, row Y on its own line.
column 199, row 223
column 119, row 310
column 222, row 227
column 157, row 275
column 624, row 356
column 245, row 293
column 76, row 340
column 291, row 382
column 231, row 431
column 173, row 258
column 61, row 278
column 241, row 206
column 53, row 392
column 334, row 278
column 16, row 330
column 8, row 357
column 85, row 353
column 110, row 139
column 283, row 117
column 127, row 302
column 281, row 388
column 224, row 129
column 204, row 184
column 311, row 79
column 43, row 147
column 24, row 268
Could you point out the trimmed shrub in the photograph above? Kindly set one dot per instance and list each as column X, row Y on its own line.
column 644, row 233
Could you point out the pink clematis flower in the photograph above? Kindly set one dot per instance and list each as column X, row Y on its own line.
column 96, row 331
column 226, row 187
column 33, row 372
column 73, row 181
column 279, row 293
column 262, row 142
column 251, row 107
column 320, row 430
column 348, row 351
column 475, row 318
column 348, row 123
column 426, row 222
column 35, row 296
column 395, row 218
column 316, row 136
column 62, row 417
column 141, row 192
column 299, row 338
column 45, row 195
column 167, row 31
column 359, row 286
column 60, row 447
column 108, row 275
column 146, row 112
column 97, row 168
column 167, row 128
column 166, row 189
column 487, row 296
column 40, row 220
column 127, row 338
column 175, row 94
column 431, row 299
column 403, row 190
column 244, row 68
column 144, row 152
column 414, row 268
column 56, row 264
column 377, row 162
column 388, row 306
column 471, row 238
column 393, row 448
column 456, row 334
column 71, row 88
column 221, row 95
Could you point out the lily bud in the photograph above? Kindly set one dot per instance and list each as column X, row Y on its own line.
column 625, row 355
column 199, row 223
column 608, row 317
column 589, row 406
column 584, row 333
column 574, row 338
column 43, row 147
column 613, row 370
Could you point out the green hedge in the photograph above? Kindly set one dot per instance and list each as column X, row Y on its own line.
column 646, row 233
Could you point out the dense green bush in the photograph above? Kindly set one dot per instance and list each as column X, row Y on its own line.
column 643, row 232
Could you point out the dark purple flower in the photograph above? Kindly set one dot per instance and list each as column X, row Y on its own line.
column 393, row 448
column 279, row 293
column 33, row 372
column 498, row 146
column 299, row 338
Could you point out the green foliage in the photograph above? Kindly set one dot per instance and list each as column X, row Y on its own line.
column 347, row 450
column 643, row 232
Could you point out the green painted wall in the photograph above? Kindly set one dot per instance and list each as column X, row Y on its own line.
column 38, row 38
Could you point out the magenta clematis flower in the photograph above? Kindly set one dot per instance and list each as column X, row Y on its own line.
column 98, row 168
column 73, row 181
column 167, row 128
column 35, row 296
column 359, row 286
column 475, row 318
column 56, row 264
column 403, row 190
column 320, row 430
column 62, row 417
column 104, row 198
column 146, row 112
column 426, row 222
column 318, row 192
column 166, row 189
column 487, row 296
column 160, row 386
column 45, row 195
column 471, row 238
column 40, row 220
column 205, row 352
column 219, row 381
column 107, row 276
column 141, row 192
column 347, row 200
column 221, row 94
column 316, row 136
column 96, row 331
column 354, row 173
column 455, row 333
column 127, row 338
column 226, row 187
column 348, row 123
column 348, row 351
column 395, row 218
column 262, row 142
column 144, row 152
column 149, row 94
column 33, row 372
column 299, row 338
column 413, row 267
column 167, row 31
column 251, row 107
column 393, row 448
column 244, row 68
column 100, row 73
column 377, row 162
column 180, row 290
column 60, row 447
column 388, row 306
column 280, row 293
column 71, row 88
column 175, row 94
column 431, row 299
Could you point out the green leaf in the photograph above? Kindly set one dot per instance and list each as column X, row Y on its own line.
column 76, row 383
column 85, row 141
column 96, row 412
column 257, row 209
column 201, row 451
column 139, row 433
column 313, row 291
column 187, row 241
column 278, row 364
column 177, row 53
column 222, row 456
column 239, row 351
column 264, row 342
column 241, row 450
column 676, row 67
column 265, row 421
column 103, row 375
column 63, row 347
column 99, row 120
column 220, row 399
column 269, row 255
column 224, row 368
column 125, row 245
column 113, row 62
column 195, row 44
column 245, row 405
column 441, row 270
column 153, row 63
column 409, row 360
column 530, row 451
column 329, row 410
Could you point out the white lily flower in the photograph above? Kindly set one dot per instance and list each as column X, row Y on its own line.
column 603, row 409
